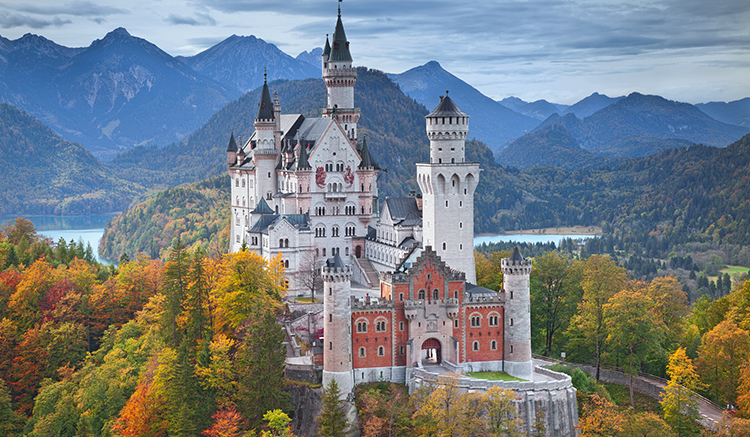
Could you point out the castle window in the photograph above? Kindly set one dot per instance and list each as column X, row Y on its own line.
column 243, row 183
column 511, row 348
column 420, row 295
column 493, row 345
column 401, row 299
column 460, row 247
column 446, row 203
column 255, row 241
column 455, row 323
column 443, row 246
column 401, row 350
column 511, row 322
column 493, row 320
column 435, row 294
column 381, row 351
column 330, row 291
column 324, row 251
column 363, row 188
column 511, row 294
column 476, row 321
column 380, row 326
column 466, row 191
column 461, row 204
column 330, row 345
column 286, row 264
column 400, row 326
column 286, row 242
column 476, row 346
column 361, row 326
column 429, row 276
column 460, row 225
column 330, row 317
column 237, row 182
column 281, row 242
column 335, row 231
column 453, row 160
column 362, row 352
column 455, row 294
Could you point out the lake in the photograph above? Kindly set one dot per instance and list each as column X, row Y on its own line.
column 530, row 238
column 89, row 228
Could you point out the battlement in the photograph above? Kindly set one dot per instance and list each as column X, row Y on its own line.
column 518, row 267
column 336, row 274
column 485, row 298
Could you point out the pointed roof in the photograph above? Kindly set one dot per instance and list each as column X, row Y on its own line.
column 447, row 108
column 262, row 208
column 265, row 107
column 303, row 162
column 340, row 50
column 232, row 144
column 367, row 161
column 516, row 257
column 327, row 49
column 335, row 262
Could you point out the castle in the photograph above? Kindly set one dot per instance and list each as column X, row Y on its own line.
column 306, row 188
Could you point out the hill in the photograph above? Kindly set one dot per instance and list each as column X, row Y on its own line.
column 197, row 214
column 550, row 146
column 392, row 123
column 239, row 62
column 540, row 109
column 118, row 92
column 736, row 112
column 311, row 57
column 490, row 122
column 45, row 174
column 590, row 104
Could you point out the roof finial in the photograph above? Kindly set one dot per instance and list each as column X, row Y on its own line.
column 446, row 92
column 340, row 8
column 265, row 74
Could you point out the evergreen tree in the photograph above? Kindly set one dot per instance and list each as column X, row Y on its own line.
column 332, row 421
column 259, row 364
column 176, row 274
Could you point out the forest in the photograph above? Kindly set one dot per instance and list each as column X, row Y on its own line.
column 192, row 346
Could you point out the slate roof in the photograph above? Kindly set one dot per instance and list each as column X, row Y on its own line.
column 516, row 257
column 327, row 49
column 475, row 290
column 403, row 211
column 447, row 108
column 261, row 226
column 340, row 49
column 262, row 208
column 335, row 262
column 303, row 163
column 367, row 160
column 265, row 107
column 232, row 144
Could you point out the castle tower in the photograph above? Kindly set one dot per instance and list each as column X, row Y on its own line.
column 337, row 331
column 265, row 153
column 340, row 78
column 447, row 184
column 516, row 271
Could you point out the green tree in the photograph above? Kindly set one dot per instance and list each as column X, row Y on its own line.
column 259, row 364
column 332, row 421
column 501, row 414
column 633, row 332
column 176, row 275
column 10, row 423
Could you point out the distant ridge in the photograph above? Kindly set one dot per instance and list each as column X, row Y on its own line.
column 736, row 112
column 490, row 122
column 312, row 57
column 240, row 62
column 590, row 104
column 540, row 109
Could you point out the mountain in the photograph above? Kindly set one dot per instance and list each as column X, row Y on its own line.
column 590, row 104
column 640, row 125
column 550, row 146
column 312, row 57
column 45, row 174
column 540, row 109
column 239, row 62
column 490, row 122
column 736, row 112
column 119, row 92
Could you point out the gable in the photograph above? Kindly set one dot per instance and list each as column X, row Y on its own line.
column 334, row 146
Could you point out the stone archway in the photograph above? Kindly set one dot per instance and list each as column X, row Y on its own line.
column 432, row 351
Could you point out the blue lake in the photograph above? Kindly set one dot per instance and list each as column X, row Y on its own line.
column 530, row 238
column 88, row 228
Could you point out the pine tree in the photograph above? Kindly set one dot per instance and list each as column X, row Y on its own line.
column 332, row 421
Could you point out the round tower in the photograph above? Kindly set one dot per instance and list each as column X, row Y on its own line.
column 517, row 319
column 265, row 153
column 447, row 183
column 337, row 333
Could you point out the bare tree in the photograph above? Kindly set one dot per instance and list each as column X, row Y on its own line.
column 308, row 274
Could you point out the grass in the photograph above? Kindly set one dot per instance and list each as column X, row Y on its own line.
column 306, row 300
column 494, row 376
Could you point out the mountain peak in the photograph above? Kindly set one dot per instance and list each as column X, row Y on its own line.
column 433, row 64
column 119, row 32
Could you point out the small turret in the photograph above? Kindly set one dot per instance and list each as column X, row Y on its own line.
column 337, row 330
column 516, row 282
column 232, row 151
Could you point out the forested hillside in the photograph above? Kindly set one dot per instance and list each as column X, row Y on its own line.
column 45, row 174
column 196, row 214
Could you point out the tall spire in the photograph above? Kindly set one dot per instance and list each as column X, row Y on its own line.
column 265, row 107
column 340, row 50
column 232, row 144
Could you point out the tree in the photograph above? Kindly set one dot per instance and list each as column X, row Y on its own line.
column 19, row 228
column 308, row 274
column 554, row 295
column 602, row 278
column 501, row 413
column 332, row 421
column 10, row 422
column 633, row 332
column 259, row 364
column 670, row 304
column 489, row 273
column 226, row 423
column 278, row 424
column 645, row 424
column 725, row 348
column 678, row 404
column 176, row 275
column 743, row 391
column 446, row 412
column 600, row 418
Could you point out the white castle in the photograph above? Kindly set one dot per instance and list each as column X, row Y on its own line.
column 307, row 188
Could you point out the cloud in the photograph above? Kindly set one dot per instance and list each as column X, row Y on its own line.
column 76, row 8
column 9, row 21
column 199, row 19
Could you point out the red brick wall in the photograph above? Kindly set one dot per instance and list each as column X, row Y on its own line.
column 372, row 339
column 484, row 334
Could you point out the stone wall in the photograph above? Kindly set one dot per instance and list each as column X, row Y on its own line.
column 649, row 388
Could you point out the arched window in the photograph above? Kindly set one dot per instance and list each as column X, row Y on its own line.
column 286, row 264
column 421, row 295
column 443, row 246
column 476, row 346
column 286, row 242
column 435, row 293
column 362, row 352
column 493, row 345
column 281, row 242
column 381, row 351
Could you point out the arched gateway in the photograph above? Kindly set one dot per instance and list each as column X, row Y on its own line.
column 432, row 351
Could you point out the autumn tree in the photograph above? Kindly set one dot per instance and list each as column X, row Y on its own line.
column 678, row 403
column 501, row 413
column 332, row 421
column 278, row 424
column 601, row 279
column 446, row 412
column 10, row 422
column 743, row 390
column 227, row 422
column 600, row 418
column 645, row 424
column 554, row 296
column 16, row 230
column 633, row 332
column 670, row 304
column 384, row 411
column 489, row 273
column 720, row 357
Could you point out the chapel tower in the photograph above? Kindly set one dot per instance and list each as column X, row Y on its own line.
column 337, row 315
column 340, row 78
column 265, row 152
column 516, row 271
column 447, row 183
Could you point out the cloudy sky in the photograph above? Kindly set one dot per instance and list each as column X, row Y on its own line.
column 560, row 50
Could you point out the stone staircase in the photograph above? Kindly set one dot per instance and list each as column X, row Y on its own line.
column 372, row 275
